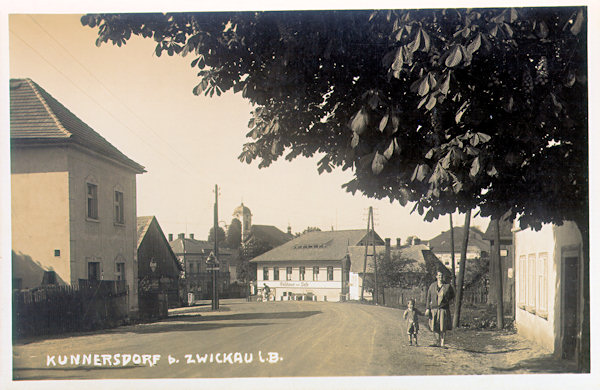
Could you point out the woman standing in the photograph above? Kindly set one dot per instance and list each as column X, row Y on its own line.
column 437, row 310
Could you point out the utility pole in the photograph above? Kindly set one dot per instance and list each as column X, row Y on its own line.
column 213, row 259
column 370, row 242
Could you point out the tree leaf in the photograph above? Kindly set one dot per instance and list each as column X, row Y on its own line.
column 398, row 60
column 355, row 140
column 384, row 122
column 475, row 167
column 424, row 86
column 475, row 44
column 461, row 111
column 426, row 40
column 454, row 57
column 378, row 163
column 389, row 151
column 422, row 102
column 576, row 27
column 360, row 121
column 445, row 85
column 431, row 102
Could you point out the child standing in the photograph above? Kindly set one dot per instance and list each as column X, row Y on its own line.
column 411, row 315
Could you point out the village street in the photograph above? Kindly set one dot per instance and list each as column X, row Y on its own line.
column 283, row 339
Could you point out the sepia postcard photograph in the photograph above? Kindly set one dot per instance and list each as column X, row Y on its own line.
column 388, row 195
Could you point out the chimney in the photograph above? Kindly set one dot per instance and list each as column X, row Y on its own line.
column 170, row 237
column 417, row 241
column 192, row 236
column 387, row 248
column 398, row 242
column 181, row 235
column 289, row 229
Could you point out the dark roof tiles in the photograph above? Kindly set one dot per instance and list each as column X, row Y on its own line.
column 36, row 116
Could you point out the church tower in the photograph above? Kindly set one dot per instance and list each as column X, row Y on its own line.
column 245, row 216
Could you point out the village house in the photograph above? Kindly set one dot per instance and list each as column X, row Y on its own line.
column 441, row 245
column 192, row 255
column 548, row 286
column 158, row 270
column 418, row 260
column 73, row 198
column 315, row 264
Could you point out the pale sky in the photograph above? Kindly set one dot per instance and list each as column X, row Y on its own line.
column 144, row 106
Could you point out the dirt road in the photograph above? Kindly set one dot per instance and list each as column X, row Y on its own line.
column 274, row 339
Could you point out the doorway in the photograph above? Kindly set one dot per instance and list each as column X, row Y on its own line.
column 570, row 306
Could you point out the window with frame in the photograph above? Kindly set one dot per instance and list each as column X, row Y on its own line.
column 531, row 260
column 265, row 273
column 302, row 272
column 119, row 214
column 92, row 201
column 275, row 273
column 542, row 284
column 330, row 272
column 120, row 271
column 522, row 281
column 315, row 273
column 94, row 270
column 288, row 273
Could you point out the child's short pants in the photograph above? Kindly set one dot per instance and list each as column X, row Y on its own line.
column 413, row 328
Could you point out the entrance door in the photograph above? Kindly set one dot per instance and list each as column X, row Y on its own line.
column 570, row 310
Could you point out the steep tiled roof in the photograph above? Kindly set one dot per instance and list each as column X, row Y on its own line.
column 420, row 254
column 143, row 223
column 193, row 246
column 317, row 246
column 269, row 235
column 442, row 242
column 36, row 117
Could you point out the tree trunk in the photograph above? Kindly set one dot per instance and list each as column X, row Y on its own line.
column 461, row 270
column 452, row 247
column 499, row 294
column 583, row 356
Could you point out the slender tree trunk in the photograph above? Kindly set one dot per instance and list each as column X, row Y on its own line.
column 583, row 357
column 461, row 270
column 499, row 294
column 452, row 247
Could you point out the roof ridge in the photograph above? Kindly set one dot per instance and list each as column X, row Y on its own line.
column 59, row 124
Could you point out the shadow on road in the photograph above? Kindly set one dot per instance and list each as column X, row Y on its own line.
column 546, row 364
column 243, row 316
column 165, row 326
column 486, row 352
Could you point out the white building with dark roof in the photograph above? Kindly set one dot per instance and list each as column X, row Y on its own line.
column 315, row 264
column 73, row 197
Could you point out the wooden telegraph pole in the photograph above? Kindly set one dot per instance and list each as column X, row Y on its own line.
column 213, row 261
column 370, row 243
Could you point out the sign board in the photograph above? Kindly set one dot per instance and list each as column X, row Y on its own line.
column 212, row 268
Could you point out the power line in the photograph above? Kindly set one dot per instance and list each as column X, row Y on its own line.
column 95, row 101
column 135, row 114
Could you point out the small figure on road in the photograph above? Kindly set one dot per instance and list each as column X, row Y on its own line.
column 437, row 310
column 266, row 291
column 411, row 315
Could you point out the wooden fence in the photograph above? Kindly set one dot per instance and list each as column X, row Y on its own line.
column 83, row 306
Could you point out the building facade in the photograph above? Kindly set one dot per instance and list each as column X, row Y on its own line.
column 158, row 270
column 548, row 279
column 441, row 245
column 315, row 265
column 73, row 197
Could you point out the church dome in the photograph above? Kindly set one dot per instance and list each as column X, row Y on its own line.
column 241, row 210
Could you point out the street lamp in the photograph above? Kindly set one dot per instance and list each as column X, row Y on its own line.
column 212, row 265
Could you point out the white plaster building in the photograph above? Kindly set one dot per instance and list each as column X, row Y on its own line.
column 73, row 197
column 548, row 277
